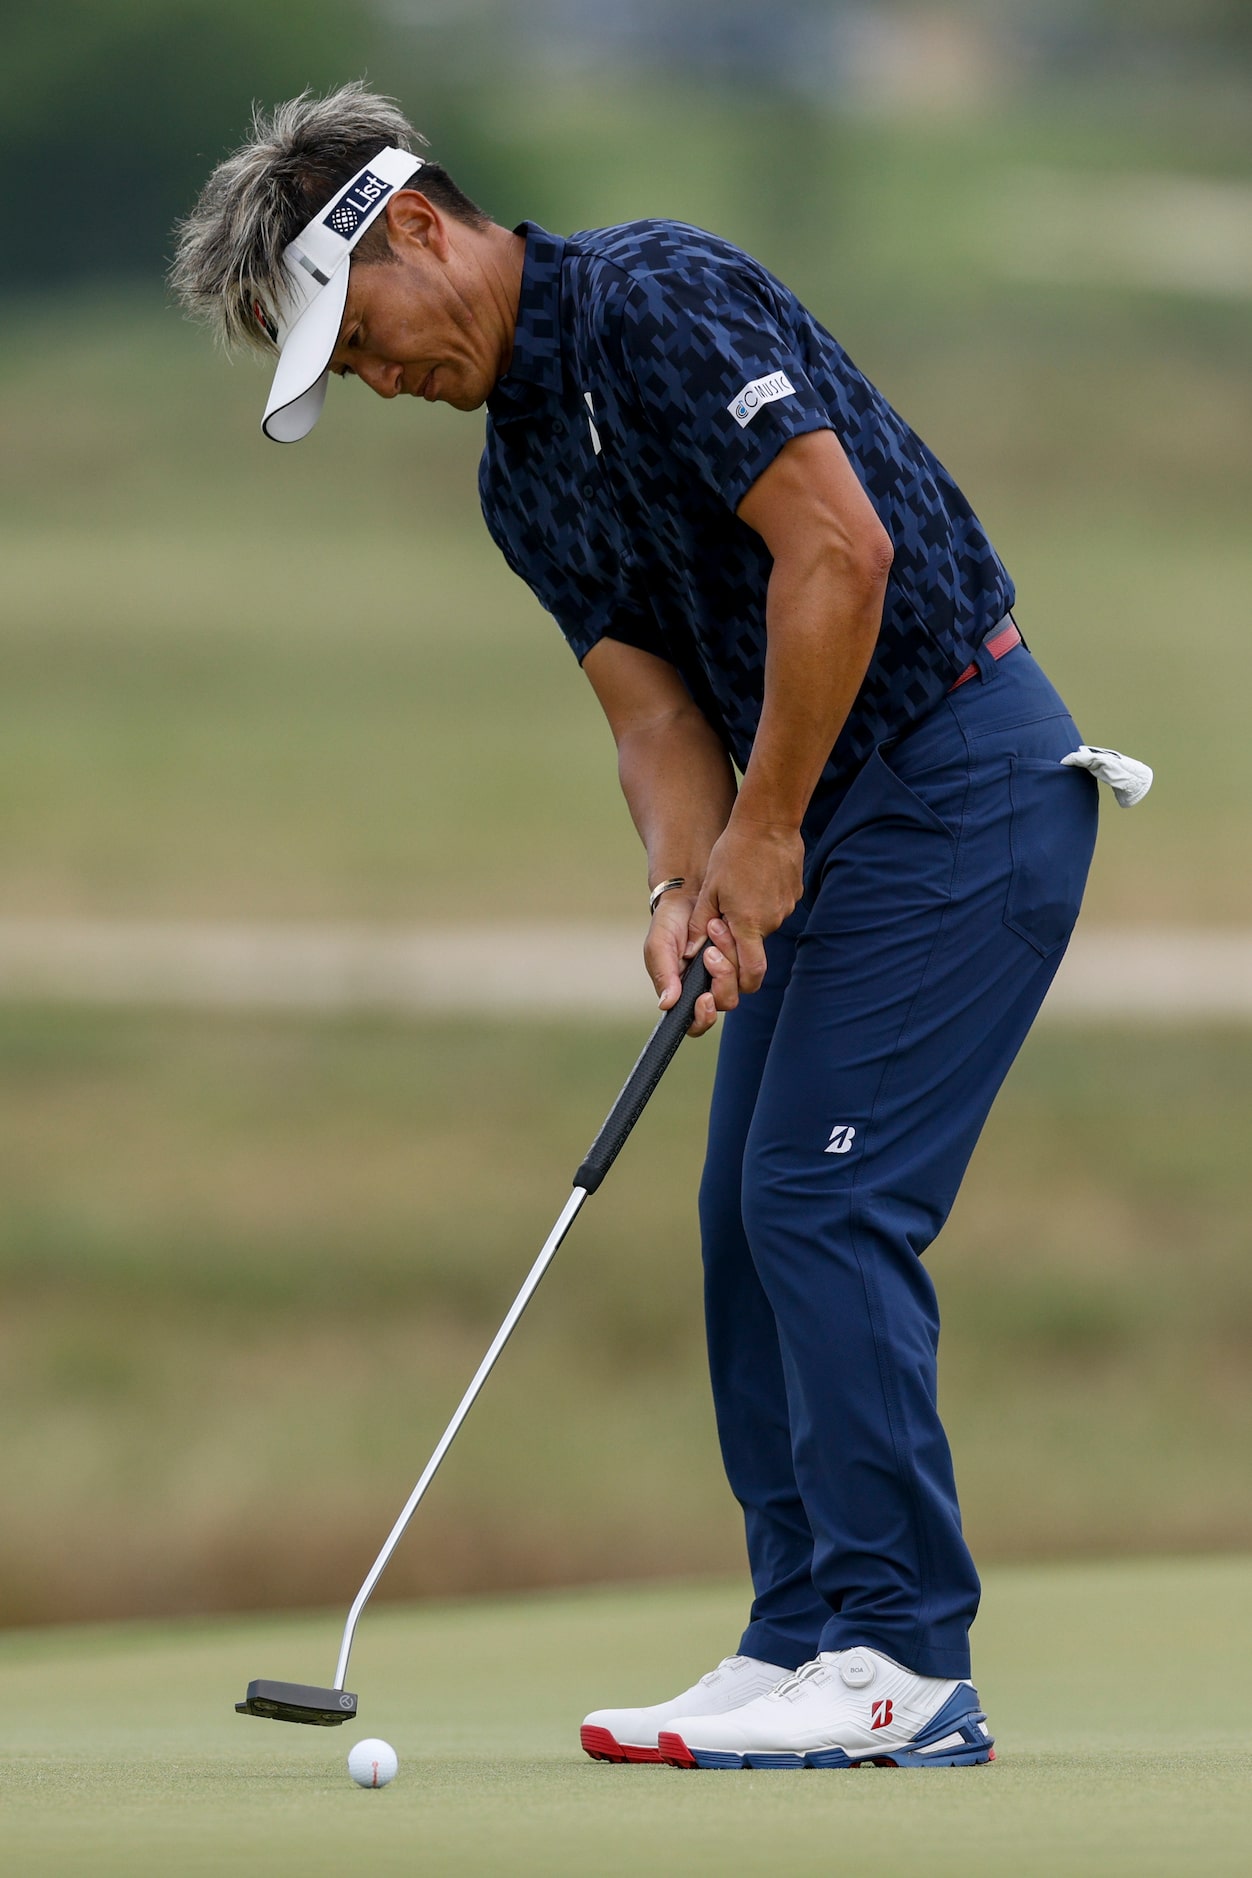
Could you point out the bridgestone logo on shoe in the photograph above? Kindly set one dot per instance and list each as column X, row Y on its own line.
column 882, row 1713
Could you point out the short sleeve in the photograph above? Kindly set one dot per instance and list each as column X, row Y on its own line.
column 718, row 371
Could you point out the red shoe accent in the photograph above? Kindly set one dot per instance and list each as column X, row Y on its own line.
column 991, row 1754
column 601, row 1746
column 673, row 1750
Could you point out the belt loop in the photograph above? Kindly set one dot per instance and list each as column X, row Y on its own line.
column 1001, row 639
column 984, row 661
column 984, row 658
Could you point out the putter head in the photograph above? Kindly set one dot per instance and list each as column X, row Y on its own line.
column 298, row 1702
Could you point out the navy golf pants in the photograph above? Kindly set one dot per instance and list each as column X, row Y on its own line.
column 850, row 1092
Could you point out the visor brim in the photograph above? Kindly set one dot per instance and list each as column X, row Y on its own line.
column 299, row 387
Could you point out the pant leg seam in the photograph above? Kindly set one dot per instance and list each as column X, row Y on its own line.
column 909, row 1472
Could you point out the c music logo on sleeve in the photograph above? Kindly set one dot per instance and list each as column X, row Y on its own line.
column 745, row 404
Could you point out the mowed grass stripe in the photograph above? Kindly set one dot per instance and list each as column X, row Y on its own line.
column 1123, row 1732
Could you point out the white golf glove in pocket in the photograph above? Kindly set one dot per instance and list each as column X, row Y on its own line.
column 1129, row 779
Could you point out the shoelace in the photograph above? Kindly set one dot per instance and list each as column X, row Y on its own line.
column 804, row 1674
column 727, row 1662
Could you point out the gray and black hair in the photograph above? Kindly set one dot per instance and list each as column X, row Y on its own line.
column 300, row 154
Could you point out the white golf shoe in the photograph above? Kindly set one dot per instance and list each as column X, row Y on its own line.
column 630, row 1734
column 847, row 1708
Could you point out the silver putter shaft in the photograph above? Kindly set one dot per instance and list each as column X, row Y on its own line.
column 527, row 1292
column 654, row 1059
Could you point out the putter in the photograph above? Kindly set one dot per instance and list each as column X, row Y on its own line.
column 327, row 1708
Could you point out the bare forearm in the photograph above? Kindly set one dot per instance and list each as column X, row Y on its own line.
column 822, row 621
column 680, row 789
column 831, row 559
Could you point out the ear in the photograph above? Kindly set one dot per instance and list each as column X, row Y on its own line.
column 413, row 221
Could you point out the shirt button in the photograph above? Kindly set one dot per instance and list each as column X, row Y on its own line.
column 589, row 489
column 558, row 429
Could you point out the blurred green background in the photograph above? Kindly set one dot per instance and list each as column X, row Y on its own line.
column 250, row 1260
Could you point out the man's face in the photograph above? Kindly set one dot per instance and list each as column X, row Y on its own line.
column 423, row 323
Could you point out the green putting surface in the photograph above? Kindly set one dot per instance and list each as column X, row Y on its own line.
column 1118, row 1693
column 1115, row 1691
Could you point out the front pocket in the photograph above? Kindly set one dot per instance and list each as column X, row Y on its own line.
column 890, row 850
column 1052, row 834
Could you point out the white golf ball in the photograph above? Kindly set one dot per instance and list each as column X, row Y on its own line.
column 373, row 1763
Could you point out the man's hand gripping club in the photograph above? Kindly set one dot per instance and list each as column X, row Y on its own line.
column 753, row 880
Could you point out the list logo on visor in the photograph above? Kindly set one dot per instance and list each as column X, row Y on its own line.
column 351, row 210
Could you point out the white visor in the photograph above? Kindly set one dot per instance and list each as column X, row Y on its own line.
column 305, row 325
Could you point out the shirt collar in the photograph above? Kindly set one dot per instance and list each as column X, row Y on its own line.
column 536, row 356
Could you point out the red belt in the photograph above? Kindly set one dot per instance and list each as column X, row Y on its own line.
column 997, row 643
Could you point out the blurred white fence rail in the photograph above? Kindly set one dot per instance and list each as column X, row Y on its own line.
column 1154, row 975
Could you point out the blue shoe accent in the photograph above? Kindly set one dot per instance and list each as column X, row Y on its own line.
column 971, row 1755
column 707, row 1757
column 773, row 1760
column 828, row 1757
column 961, row 1703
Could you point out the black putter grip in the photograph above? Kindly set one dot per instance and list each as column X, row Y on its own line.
column 654, row 1060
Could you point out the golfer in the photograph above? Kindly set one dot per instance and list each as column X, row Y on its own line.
column 848, row 772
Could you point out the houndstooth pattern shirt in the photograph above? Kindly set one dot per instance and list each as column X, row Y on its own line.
column 656, row 372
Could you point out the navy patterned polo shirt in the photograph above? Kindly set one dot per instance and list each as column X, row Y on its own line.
column 656, row 371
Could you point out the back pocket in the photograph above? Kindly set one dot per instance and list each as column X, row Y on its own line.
column 1053, row 830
